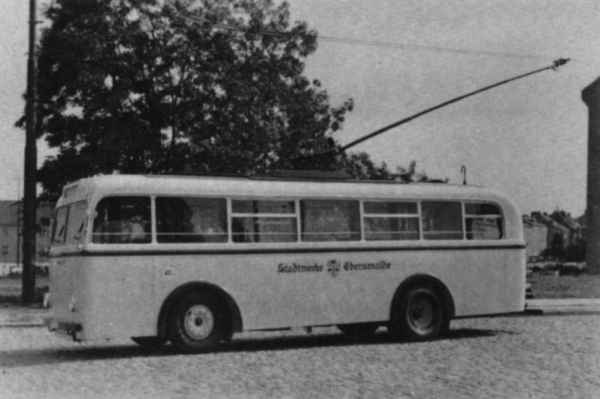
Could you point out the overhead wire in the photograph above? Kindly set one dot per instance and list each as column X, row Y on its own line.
column 383, row 44
column 378, row 43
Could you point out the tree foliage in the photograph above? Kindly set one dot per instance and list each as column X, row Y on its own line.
column 171, row 86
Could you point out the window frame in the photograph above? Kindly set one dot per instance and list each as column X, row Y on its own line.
column 487, row 216
column 154, row 217
column 399, row 216
column 55, row 225
column 358, row 215
column 84, row 233
column 94, row 213
column 231, row 214
column 297, row 202
column 461, row 219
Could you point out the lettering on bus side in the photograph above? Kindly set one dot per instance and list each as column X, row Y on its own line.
column 333, row 267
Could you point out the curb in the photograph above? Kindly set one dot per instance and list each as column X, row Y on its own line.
column 22, row 317
column 573, row 306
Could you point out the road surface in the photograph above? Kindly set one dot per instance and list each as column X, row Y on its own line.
column 507, row 357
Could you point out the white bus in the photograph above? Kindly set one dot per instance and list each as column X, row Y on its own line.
column 193, row 260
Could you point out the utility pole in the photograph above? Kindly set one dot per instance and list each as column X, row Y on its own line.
column 30, row 165
column 591, row 97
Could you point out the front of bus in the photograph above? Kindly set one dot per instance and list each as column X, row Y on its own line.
column 67, row 291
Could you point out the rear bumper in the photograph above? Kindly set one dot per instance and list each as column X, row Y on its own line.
column 73, row 330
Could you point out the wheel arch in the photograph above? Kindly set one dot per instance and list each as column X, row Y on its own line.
column 173, row 297
column 422, row 279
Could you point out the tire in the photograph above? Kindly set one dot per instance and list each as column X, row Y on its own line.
column 419, row 314
column 149, row 342
column 198, row 323
column 358, row 330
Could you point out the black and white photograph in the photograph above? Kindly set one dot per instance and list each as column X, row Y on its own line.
column 300, row 199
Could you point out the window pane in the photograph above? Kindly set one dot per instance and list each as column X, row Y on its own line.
column 76, row 222
column 264, row 229
column 252, row 206
column 330, row 220
column 390, row 207
column 484, row 228
column 391, row 229
column 60, row 226
column 191, row 219
column 122, row 220
column 442, row 220
column 481, row 209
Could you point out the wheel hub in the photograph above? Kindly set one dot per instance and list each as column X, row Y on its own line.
column 198, row 322
column 421, row 313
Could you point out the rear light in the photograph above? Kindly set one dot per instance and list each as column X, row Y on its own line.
column 46, row 302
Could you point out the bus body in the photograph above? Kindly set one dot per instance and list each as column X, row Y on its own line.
column 279, row 254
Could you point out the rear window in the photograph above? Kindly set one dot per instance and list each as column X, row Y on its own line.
column 76, row 222
column 60, row 225
column 69, row 224
column 122, row 220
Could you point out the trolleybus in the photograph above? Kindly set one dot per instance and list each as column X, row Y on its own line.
column 194, row 260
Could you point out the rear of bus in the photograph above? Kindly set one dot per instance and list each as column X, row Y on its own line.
column 67, row 291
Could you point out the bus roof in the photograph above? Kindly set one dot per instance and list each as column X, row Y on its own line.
column 102, row 185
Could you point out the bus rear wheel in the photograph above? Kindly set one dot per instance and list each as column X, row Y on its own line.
column 358, row 330
column 197, row 323
column 419, row 314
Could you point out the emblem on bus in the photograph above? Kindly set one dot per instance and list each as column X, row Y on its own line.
column 333, row 267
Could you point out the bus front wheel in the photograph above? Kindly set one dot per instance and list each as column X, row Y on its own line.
column 419, row 314
column 197, row 323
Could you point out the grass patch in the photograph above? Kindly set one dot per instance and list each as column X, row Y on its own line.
column 553, row 285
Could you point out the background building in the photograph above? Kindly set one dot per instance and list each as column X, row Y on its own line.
column 10, row 235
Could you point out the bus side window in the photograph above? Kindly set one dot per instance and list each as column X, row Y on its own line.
column 391, row 220
column 122, row 220
column 483, row 221
column 442, row 220
column 264, row 221
column 330, row 220
column 182, row 220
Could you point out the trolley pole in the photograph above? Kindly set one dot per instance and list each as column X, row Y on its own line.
column 554, row 66
column 30, row 166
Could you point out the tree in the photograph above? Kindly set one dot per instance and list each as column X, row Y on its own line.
column 159, row 86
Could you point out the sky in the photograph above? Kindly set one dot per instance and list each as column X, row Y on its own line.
column 394, row 58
